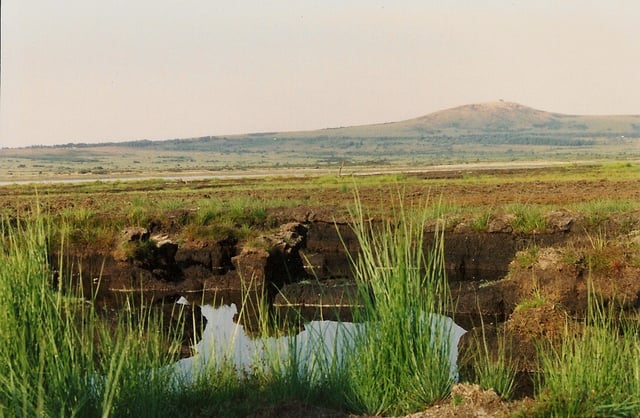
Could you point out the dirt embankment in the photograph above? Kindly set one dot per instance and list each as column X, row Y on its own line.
column 304, row 265
column 527, row 285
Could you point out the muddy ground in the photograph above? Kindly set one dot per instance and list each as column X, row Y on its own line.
column 299, row 254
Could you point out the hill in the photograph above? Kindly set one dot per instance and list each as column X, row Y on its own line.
column 495, row 131
column 491, row 117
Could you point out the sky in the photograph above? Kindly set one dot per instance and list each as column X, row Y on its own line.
column 95, row 71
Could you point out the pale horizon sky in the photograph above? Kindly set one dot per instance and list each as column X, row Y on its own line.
column 97, row 71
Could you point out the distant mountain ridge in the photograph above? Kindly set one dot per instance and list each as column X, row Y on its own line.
column 486, row 115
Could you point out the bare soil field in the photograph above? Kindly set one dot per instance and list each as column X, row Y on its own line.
column 468, row 184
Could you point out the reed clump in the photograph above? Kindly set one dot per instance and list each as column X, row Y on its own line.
column 595, row 372
column 59, row 356
column 401, row 362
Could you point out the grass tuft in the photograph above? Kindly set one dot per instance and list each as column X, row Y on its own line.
column 59, row 357
column 595, row 373
column 400, row 363
column 494, row 369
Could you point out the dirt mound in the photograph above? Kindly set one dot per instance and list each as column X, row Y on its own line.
column 470, row 401
column 566, row 275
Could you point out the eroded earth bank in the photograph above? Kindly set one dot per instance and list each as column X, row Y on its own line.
column 526, row 279
column 526, row 284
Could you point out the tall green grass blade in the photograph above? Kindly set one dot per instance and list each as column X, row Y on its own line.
column 595, row 373
column 59, row 357
column 401, row 361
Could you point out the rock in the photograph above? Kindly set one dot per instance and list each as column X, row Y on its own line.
column 530, row 326
column 313, row 263
column 161, row 274
column 472, row 394
column 330, row 240
column 215, row 256
column 166, row 253
column 196, row 272
column 468, row 400
column 190, row 256
column 548, row 277
column 463, row 228
column 566, row 275
column 501, row 223
column 472, row 299
column 221, row 255
column 560, row 220
column 477, row 256
column 160, row 239
column 539, row 322
column 135, row 233
column 293, row 234
column 250, row 265
column 291, row 237
column 281, row 263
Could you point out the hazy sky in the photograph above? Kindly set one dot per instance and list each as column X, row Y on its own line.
column 96, row 70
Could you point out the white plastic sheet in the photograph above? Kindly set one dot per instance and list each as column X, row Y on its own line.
column 225, row 343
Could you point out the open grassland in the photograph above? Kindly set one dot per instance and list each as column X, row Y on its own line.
column 95, row 162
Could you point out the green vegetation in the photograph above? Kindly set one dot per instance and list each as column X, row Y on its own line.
column 595, row 373
column 597, row 212
column 527, row 218
column 96, row 208
column 527, row 257
column 63, row 356
column 480, row 220
column 494, row 369
column 536, row 300
column 401, row 363
column 58, row 356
